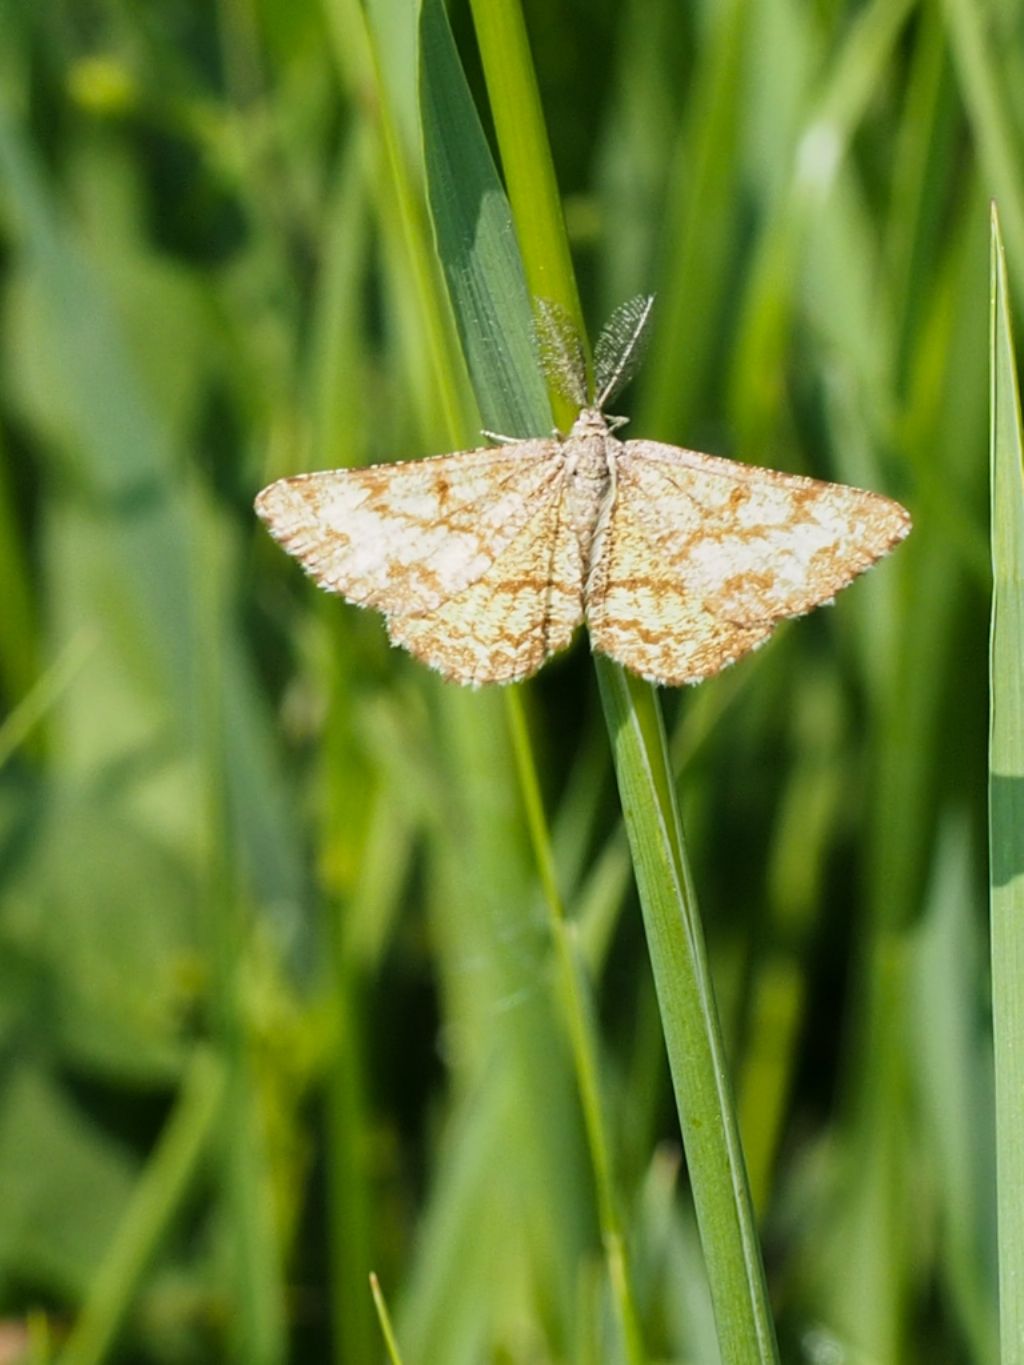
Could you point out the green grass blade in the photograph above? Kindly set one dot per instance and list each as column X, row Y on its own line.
column 482, row 264
column 990, row 112
column 719, row 1182
column 158, row 1197
column 437, row 1324
column 698, row 235
column 773, row 294
column 953, row 1060
column 19, row 628
column 481, row 858
column 689, row 1018
column 1006, row 805
column 581, row 1025
column 385, row 24
column 18, row 725
column 384, row 1318
column 472, row 227
column 526, row 158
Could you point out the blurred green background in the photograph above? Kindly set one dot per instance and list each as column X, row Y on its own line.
column 276, row 1002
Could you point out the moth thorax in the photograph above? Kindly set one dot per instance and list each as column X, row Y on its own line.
column 586, row 457
column 587, row 480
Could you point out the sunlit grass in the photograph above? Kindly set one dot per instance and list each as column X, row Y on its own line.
column 284, row 1002
column 1006, row 767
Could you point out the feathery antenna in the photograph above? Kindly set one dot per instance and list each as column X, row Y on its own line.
column 561, row 351
column 621, row 347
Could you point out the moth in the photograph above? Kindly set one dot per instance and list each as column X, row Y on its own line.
column 485, row 562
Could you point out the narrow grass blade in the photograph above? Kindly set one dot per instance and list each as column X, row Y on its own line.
column 830, row 125
column 470, row 208
column 472, row 225
column 698, row 234
column 579, row 1015
column 526, row 161
column 689, row 1018
column 384, row 1318
column 990, row 110
column 161, row 1189
column 22, row 720
column 19, row 627
column 525, row 153
column 731, row 1248
column 1006, row 805
column 952, row 1056
column 445, row 1303
column 444, row 360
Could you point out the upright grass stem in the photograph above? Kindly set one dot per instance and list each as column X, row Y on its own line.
column 990, row 111
column 527, row 162
column 581, row 1037
column 486, row 286
column 689, row 1018
column 722, row 1199
column 384, row 1318
column 362, row 58
column 162, row 1188
column 1006, row 806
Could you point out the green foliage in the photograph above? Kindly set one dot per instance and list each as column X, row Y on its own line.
column 295, row 985
column 1006, row 769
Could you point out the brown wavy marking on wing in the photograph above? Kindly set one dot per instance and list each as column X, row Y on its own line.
column 702, row 557
column 504, row 625
column 406, row 537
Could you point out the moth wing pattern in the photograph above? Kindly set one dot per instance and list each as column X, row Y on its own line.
column 702, row 557
column 408, row 536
